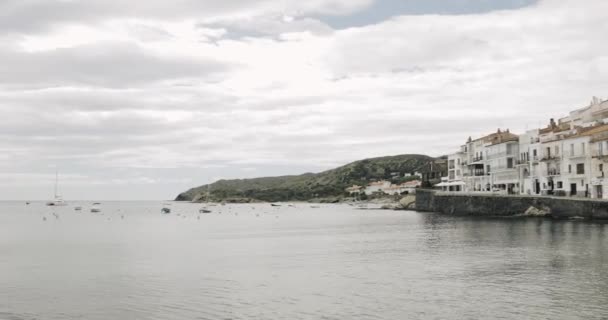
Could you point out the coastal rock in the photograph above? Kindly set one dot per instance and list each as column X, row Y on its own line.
column 408, row 202
column 538, row 212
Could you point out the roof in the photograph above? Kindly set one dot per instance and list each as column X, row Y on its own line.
column 354, row 188
column 378, row 183
column 558, row 128
column 499, row 137
column 413, row 183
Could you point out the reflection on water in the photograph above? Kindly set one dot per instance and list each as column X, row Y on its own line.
column 257, row 262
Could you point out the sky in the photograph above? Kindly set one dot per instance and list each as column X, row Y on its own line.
column 143, row 99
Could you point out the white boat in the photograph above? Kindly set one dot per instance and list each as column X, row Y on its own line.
column 57, row 200
column 96, row 207
column 204, row 209
column 78, row 208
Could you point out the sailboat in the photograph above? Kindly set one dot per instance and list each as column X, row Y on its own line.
column 205, row 208
column 57, row 200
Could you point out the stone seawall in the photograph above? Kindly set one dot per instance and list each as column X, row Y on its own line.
column 501, row 205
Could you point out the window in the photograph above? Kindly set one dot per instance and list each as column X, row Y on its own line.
column 557, row 151
column 583, row 148
column 600, row 149
column 569, row 168
column 572, row 150
column 601, row 167
column 488, row 169
column 510, row 163
column 580, row 168
column 560, row 184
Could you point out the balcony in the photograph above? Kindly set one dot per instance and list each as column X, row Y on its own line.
column 577, row 155
column 477, row 159
column 522, row 162
column 550, row 158
column 479, row 173
column 601, row 155
column 553, row 172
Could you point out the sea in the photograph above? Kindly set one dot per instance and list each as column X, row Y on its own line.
column 294, row 261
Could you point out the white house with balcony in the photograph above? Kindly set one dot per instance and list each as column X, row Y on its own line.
column 501, row 164
column 457, row 170
column 566, row 158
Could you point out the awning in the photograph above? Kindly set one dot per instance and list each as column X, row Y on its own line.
column 450, row 184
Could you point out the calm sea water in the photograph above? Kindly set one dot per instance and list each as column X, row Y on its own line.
column 259, row 262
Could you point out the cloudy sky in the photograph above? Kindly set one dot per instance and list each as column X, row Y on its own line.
column 142, row 99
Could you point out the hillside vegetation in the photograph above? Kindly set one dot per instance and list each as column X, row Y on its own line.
column 307, row 186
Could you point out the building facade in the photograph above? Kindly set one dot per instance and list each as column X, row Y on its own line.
column 565, row 158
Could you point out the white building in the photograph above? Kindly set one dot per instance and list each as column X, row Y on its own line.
column 379, row 186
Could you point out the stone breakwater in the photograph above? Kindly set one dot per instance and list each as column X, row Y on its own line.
column 508, row 206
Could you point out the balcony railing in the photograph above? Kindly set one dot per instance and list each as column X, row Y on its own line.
column 602, row 155
column 553, row 172
column 479, row 173
column 550, row 158
column 477, row 159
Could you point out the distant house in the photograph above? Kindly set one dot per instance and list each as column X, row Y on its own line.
column 379, row 186
column 354, row 190
column 410, row 186
column 432, row 172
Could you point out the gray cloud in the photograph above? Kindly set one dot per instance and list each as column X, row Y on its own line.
column 37, row 15
column 104, row 64
column 162, row 108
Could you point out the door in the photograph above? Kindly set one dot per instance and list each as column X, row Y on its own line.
column 600, row 192
column 573, row 189
column 537, row 187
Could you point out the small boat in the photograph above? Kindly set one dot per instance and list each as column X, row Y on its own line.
column 165, row 210
column 315, row 207
column 203, row 210
column 27, row 203
column 78, row 208
column 96, row 207
column 275, row 205
column 57, row 202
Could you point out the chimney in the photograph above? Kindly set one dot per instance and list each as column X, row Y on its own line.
column 552, row 124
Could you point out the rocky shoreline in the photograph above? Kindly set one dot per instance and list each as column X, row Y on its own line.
column 407, row 202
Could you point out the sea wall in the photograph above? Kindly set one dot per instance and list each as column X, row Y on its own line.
column 463, row 204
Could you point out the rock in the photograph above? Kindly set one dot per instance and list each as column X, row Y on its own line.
column 408, row 202
column 537, row 212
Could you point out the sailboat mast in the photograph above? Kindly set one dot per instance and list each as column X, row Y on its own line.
column 56, row 182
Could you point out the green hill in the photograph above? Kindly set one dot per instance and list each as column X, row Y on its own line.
column 307, row 186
